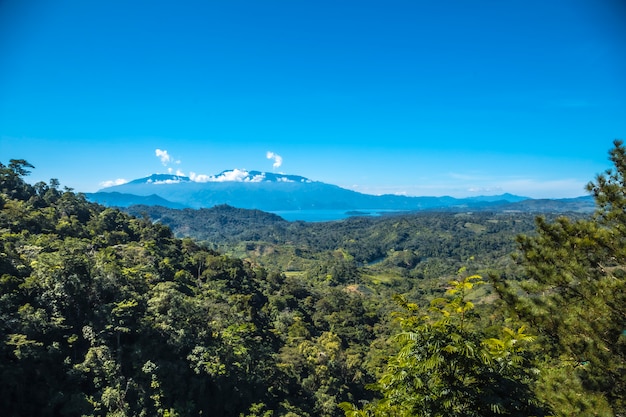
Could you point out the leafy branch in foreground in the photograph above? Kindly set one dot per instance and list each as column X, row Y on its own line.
column 447, row 366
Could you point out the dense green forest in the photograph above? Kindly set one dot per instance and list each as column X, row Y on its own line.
column 229, row 312
column 427, row 248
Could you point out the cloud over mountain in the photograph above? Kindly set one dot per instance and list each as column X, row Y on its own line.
column 111, row 183
column 271, row 191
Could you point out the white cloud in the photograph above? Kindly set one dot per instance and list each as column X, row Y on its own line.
column 111, row 183
column 278, row 160
column 257, row 178
column 199, row 177
column 237, row 175
column 167, row 182
column 164, row 156
column 180, row 173
column 234, row 175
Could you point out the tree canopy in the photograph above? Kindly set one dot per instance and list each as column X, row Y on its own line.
column 448, row 365
column 107, row 314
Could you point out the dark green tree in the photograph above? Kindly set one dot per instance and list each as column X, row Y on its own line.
column 11, row 179
column 574, row 294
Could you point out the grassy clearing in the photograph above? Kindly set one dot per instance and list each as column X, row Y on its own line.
column 379, row 278
column 475, row 227
column 296, row 274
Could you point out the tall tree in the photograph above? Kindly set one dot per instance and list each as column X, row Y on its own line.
column 11, row 179
column 574, row 291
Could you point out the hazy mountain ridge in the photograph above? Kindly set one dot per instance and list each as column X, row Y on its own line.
column 280, row 192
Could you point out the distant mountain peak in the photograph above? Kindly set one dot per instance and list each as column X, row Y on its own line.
column 271, row 191
column 161, row 179
column 231, row 175
column 276, row 177
column 242, row 175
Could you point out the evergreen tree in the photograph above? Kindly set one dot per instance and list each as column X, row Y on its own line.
column 575, row 295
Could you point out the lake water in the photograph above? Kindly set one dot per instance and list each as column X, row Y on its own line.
column 329, row 215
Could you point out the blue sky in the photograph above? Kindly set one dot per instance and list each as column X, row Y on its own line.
column 411, row 97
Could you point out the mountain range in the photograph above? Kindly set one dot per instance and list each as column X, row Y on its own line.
column 273, row 192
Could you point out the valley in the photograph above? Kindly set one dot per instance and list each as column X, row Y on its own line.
column 233, row 311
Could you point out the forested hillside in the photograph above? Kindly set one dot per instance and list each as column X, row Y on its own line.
column 410, row 254
column 239, row 313
column 105, row 314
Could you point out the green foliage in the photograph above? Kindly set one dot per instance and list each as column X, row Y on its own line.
column 408, row 239
column 446, row 366
column 102, row 313
column 105, row 314
column 574, row 294
column 412, row 254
